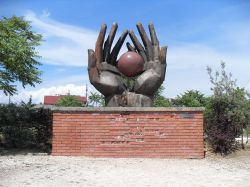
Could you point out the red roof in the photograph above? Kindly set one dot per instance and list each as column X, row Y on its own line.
column 52, row 100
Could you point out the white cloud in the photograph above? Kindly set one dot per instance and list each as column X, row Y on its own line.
column 67, row 45
column 185, row 56
column 189, row 56
column 46, row 13
column 38, row 94
column 64, row 44
column 237, row 34
column 63, row 80
column 187, row 67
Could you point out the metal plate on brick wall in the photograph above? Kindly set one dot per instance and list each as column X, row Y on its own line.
column 187, row 115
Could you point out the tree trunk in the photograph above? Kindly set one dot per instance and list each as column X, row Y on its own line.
column 242, row 140
column 247, row 137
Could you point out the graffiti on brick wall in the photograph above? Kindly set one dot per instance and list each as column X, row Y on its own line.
column 135, row 134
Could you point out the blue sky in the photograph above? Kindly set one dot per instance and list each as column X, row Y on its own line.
column 197, row 33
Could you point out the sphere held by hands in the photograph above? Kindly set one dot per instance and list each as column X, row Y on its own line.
column 130, row 64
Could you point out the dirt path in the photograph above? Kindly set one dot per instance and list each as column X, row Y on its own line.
column 30, row 170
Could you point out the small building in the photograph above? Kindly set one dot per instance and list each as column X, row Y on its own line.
column 52, row 100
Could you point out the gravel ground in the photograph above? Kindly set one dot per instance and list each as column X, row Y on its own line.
column 44, row 170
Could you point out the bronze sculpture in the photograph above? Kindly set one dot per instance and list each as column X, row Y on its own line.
column 107, row 79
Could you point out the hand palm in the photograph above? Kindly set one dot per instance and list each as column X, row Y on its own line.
column 101, row 63
column 155, row 61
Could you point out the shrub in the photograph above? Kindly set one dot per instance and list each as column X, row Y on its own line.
column 226, row 113
column 21, row 126
column 70, row 101
column 191, row 98
column 160, row 100
column 220, row 125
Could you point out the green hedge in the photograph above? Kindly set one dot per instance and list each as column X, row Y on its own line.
column 21, row 126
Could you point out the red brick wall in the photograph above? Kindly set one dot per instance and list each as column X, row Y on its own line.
column 173, row 134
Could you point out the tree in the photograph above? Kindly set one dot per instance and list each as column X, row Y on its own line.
column 96, row 99
column 160, row 100
column 69, row 101
column 227, row 112
column 18, row 57
column 191, row 98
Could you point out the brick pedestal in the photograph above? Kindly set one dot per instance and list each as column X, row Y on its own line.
column 128, row 132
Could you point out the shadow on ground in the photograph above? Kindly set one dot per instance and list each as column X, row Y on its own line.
column 14, row 152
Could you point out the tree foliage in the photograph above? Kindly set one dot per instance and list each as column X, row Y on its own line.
column 18, row 57
column 95, row 99
column 22, row 126
column 227, row 112
column 160, row 100
column 191, row 98
column 69, row 101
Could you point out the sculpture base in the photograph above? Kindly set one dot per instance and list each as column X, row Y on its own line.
column 129, row 99
column 128, row 132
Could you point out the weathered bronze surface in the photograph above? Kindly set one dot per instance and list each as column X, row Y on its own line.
column 130, row 64
column 107, row 79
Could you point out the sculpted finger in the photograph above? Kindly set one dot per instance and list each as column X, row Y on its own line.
column 130, row 47
column 163, row 54
column 155, row 41
column 92, row 69
column 153, row 36
column 147, row 43
column 109, row 41
column 117, row 47
column 138, row 45
column 91, row 58
column 99, row 44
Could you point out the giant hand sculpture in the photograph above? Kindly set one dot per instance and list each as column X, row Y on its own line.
column 104, row 75
column 155, row 61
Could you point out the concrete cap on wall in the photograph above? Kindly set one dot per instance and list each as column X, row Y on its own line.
column 121, row 109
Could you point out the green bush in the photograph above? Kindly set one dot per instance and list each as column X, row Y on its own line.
column 21, row 126
column 160, row 100
column 226, row 113
column 69, row 101
column 191, row 98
